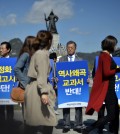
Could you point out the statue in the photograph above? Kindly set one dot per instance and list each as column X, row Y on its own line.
column 52, row 20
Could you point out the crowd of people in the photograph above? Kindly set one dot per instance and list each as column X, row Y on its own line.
column 35, row 71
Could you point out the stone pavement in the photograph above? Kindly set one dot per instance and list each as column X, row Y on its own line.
column 17, row 126
column 87, row 120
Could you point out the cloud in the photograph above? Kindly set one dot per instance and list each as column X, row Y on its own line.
column 62, row 8
column 77, row 31
column 8, row 20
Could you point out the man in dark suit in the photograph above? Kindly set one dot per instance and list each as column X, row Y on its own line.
column 71, row 57
column 5, row 49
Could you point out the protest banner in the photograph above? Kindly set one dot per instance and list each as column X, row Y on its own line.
column 73, row 89
column 7, row 80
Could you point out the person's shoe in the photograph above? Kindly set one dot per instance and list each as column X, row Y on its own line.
column 84, row 131
column 66, row 129
column 37, row 132
column 101, row 131
column 77, row 128
column 105, row 130
column 56, row 112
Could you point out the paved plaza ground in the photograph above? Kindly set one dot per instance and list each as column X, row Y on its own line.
column 17, row 127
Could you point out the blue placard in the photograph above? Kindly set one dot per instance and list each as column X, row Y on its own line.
column 73, row 89
column 51, row 71
column 117, row 76
column 7, row 80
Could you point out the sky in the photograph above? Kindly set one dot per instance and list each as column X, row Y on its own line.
column 87, row 22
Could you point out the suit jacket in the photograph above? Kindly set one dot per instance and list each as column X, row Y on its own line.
column 100, row 83
column 65, row 58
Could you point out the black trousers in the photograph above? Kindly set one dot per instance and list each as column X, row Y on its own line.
column 112, row 116
column 101, row 114
column 78, row 116
column 9, row 112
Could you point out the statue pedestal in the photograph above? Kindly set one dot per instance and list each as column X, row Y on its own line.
column 55, row 42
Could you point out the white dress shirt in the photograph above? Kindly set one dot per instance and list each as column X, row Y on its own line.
column 71, row 58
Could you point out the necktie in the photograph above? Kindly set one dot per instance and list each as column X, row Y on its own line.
column 70, row 58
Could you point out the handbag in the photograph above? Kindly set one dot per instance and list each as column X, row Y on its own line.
column 17, row 94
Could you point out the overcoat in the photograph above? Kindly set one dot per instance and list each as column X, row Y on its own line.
column 100, row 83
column 37, row 113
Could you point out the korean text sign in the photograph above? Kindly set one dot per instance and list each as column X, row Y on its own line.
column 73, row 89
column 7, row 80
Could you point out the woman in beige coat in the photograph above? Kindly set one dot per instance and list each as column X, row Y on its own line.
column 39, row 93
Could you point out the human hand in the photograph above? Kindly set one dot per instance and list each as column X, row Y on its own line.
column 88, row 80
column 54, row 79
column 118, row 69
column 45, row 99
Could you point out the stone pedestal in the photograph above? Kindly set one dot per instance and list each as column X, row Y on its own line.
column 55, row 42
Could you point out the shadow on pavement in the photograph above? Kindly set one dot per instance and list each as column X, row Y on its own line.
column 10, row 127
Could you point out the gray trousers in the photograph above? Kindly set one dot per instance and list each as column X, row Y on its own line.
column 78, row 116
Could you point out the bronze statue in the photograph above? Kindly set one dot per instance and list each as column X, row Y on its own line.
column 52, row 20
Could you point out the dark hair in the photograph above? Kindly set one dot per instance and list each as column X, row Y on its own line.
column 27, row 45
column 8, row 45
column 109, row 43
column 53, row 56
column 71, row 42
column 35, row 44
column 45, row 39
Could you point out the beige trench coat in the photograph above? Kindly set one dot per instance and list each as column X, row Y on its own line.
column 36, row 113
